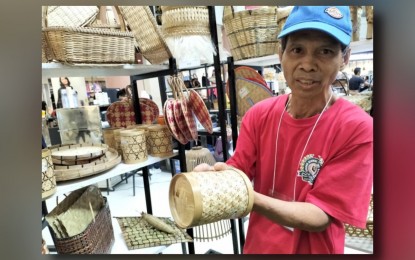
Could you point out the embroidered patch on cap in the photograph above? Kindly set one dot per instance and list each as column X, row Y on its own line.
column 334, row 12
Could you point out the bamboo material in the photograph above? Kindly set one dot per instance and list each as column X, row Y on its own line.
column 369, row 20
column 48, row 176
column 159, row 140
column 133, row 145
column 198, row 198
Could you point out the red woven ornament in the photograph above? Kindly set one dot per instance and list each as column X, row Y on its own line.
column 168, row 112
column 200, row 110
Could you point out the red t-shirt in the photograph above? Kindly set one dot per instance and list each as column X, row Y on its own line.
column 336, row 172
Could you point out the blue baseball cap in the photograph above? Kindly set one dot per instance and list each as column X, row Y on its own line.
column 334, row 20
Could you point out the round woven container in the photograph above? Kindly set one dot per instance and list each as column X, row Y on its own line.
column 48, row 176
column 143, row 127
column 133, row 146
column 159, row 140
column 198, row 198
column 185, row 20
column 108, row 135
column 117, row 140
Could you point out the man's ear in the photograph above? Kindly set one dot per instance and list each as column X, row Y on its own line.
column 346, row 59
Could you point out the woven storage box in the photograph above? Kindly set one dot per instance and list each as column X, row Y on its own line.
column 185, row 20
column 97, row 238
column 133, row 145
column 198, row 198
column 48, row 176
column 146, row 32
column 159, row 140
column 143, row 127
column 252, row 33
column 71, row 44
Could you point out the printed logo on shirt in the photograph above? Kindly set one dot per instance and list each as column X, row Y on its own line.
column 310, row 167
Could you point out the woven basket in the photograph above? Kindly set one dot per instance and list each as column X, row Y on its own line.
column 367, row 232
column 198, row 198
column 76, row 16
column 108, row 135
column 88, row 45
column 48, row 176
column 159, row 140
column 133, row 145
column 185, row 20
column 252, row 33
column 143, row 127
column 146, row 32
column 97, row 238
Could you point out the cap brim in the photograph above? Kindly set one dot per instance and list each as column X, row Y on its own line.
column 333, row 31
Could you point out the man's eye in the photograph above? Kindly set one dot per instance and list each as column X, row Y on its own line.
column 296, row 50
column 327, row 51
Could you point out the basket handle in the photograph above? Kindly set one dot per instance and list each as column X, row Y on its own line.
column 102, row 17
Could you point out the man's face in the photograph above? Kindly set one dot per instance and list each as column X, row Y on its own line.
column 311, row 61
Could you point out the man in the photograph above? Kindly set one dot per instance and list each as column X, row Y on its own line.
column 357, row 83
column 309, row 153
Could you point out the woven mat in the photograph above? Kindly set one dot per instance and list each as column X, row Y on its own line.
column 137, row 233
column 360, row 243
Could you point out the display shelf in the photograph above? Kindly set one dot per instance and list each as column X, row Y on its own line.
column 357, row 47
column 71, row 185
column 88, row 70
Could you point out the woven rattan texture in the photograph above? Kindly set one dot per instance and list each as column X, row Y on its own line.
column 76, row 16
column 224, row 195
column 160, row 141
column 133, row 145
column 48, row 176
column 146, row 32
column 97, row 238
column 248, row 93
column 185, row 20
column 137, row 233
column 90, row 45
column 252, row 33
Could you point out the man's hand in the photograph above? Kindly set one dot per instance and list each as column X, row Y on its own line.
column 219, row 166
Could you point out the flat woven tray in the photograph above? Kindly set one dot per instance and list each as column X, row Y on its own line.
column 137, row 233
column 70, row 172
column 75, row 152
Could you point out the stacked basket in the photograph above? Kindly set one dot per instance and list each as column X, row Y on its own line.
column 252, row 33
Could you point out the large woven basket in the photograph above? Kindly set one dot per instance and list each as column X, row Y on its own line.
column 146, row 32
column 88, row 45
column 198, row 198
column 76, row 16
column 185, row 20
column 97, row 238
column 252, row 33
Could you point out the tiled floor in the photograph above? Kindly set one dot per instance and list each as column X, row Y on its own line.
column 123, row 203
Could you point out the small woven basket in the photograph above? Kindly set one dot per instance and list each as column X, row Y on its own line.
column 48, row 176
column 72, row 44
column 159, row 140
column 198, row 198
column 143, row 127
column 108, row 136
column 144, row 27
column 185, row 20
column 133, row 145
column 252, row 33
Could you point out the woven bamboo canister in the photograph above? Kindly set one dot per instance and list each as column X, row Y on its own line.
column 143, row 127
column 108, row 135
column 133, row 146
column 117, row 140
column 198, row 198
column 159, row 140
column 48, row 176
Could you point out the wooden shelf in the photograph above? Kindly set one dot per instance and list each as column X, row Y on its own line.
column 88, row 70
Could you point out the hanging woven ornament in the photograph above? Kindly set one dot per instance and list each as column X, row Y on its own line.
column 188, row 26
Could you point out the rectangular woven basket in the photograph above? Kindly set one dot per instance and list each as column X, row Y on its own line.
column 252, row 33
column 70, row 44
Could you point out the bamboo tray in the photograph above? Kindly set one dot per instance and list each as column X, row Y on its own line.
column 75, row 152
column 70, row 172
